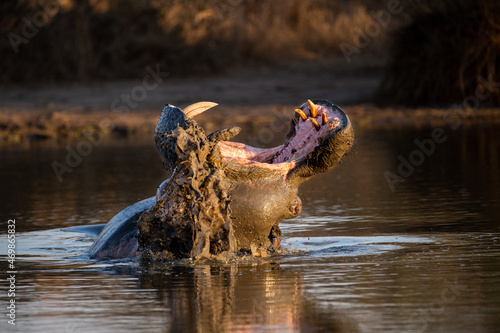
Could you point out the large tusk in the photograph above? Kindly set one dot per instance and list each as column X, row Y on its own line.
column 195, row 109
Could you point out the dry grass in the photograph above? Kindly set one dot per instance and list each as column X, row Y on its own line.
column 117, row 39
column 445, row 55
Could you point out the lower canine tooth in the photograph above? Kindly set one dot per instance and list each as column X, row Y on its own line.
column 197, row 108
column 312, row 107
column 315, row 123
column 301, row 114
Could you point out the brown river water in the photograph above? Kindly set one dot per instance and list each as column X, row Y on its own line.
column 361, row 257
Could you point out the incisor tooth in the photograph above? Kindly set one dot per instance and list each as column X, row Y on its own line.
column 195, row 109
column 312, row 107
column 301, row 114
column 315, row 123
column 325, row 118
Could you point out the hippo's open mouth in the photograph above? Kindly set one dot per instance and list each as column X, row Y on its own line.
column 312, row 123
column 320, row 134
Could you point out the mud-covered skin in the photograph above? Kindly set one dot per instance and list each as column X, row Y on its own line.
column 191, row 215
column 223, row 197
column 262, row 196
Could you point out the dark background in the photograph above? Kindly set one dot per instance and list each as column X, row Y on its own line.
column 426, row 52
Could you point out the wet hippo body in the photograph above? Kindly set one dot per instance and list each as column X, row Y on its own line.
column 225, row 198
column 119, row 239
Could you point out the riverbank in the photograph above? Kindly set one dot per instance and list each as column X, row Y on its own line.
column 248, row 98
column 21, row 126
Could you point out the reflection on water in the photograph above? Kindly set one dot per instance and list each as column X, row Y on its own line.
column 360, row 257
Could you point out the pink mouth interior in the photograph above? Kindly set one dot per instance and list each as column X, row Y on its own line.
column 306, row 138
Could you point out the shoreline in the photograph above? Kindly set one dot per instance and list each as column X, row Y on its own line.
column 19, row 126
column 251, row 98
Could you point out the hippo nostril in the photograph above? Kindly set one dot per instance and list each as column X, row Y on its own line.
column 295, row 206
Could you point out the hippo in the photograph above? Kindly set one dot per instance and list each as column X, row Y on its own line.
column 225, row 198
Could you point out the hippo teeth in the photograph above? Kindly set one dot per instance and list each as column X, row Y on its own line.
column 301, row 114
column 314, row 113
column 312, row 108
column 324, row 117
column 315, row 124
column 195, row 109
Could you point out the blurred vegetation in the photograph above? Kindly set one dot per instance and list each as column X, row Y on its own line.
column 449, row 53
column 440, row 52
column 116, row 39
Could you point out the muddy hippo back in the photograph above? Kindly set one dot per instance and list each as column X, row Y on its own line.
column 118, row 239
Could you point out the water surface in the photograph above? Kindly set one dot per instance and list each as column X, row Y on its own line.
column 362, row 258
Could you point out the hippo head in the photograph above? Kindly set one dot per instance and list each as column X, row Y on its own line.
column 260, row 185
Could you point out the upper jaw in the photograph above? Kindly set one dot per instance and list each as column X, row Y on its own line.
column 316, row 141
